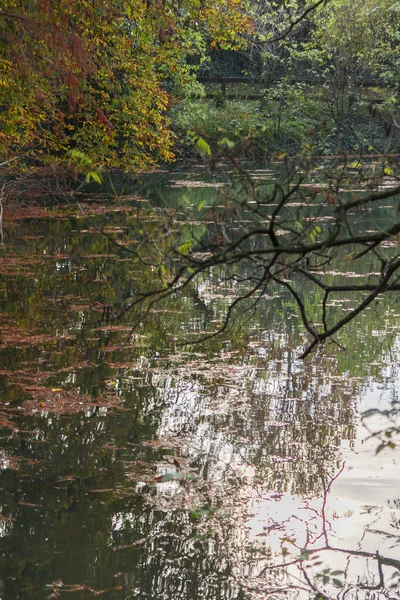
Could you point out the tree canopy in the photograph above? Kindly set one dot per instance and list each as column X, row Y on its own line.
column 98, row 76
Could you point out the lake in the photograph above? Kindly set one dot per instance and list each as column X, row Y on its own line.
column 134, row 465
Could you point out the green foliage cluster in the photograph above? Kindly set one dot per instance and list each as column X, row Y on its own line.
column 289, row 117
column 238, row 121
column 317, row 63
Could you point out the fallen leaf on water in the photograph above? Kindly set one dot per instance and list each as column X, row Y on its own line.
column 132, row 545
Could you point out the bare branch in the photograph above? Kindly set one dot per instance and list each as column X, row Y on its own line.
column 299, row 19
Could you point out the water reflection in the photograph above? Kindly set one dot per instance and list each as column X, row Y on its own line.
column 148, row 470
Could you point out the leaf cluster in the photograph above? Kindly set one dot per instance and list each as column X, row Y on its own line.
column 99, row 77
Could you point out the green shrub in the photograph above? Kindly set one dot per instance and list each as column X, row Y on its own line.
column 293, row 118
column 240, row 122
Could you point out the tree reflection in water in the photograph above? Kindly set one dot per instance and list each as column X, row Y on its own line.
column 147, row 470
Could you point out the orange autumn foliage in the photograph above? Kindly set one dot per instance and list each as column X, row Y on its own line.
column 99, row 76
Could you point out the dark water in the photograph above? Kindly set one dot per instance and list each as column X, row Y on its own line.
column 145, row 469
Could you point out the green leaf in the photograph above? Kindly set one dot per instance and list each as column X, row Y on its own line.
column 337, row 583
column 186, row 247
column 93, row 176
column 80, row 156
column 226, row 142
column 162, row 271
column 381, row 447
column 203, row 147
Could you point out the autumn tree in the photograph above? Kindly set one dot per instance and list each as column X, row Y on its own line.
column 98, row 77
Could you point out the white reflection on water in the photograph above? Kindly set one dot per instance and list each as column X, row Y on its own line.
column 236, row 433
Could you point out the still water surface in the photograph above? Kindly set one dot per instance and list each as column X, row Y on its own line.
column 143, row 469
